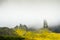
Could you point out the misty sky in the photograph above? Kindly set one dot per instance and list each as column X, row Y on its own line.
column 29, row 12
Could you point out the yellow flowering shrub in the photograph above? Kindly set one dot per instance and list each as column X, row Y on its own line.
column 20, row 32
column 44, row 34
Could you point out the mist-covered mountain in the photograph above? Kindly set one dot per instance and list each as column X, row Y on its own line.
column 5, row 31
column 55, row 28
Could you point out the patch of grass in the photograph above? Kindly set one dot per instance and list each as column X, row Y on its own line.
column 10, row 38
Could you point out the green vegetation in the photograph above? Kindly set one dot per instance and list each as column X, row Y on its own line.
column 9, row 33
column 10, row 38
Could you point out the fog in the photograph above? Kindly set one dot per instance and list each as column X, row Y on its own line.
column 29, row 12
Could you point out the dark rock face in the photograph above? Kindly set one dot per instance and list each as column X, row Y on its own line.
column 4, row 31
column 55, row 29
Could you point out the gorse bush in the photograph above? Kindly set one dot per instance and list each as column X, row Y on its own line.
column 44, row 34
